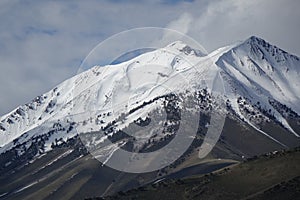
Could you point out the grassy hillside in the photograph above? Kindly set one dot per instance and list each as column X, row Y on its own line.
column 69, row 172
column 271, row 176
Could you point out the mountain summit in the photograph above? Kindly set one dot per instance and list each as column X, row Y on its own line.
column 218, row 109
column 260, row 83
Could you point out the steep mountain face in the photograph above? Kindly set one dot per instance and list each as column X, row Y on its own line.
column 259, row 82
column 141, row 105
column 266, row 75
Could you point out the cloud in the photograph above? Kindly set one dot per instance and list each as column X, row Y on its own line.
column 43, row 42
column 174, row 31
column 182, row 24
column 225, row 22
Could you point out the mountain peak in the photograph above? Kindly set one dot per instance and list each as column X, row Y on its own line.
column 177, row 44
column 185, row 48
column 254, row 40
column 261, row 48
column 249, row 68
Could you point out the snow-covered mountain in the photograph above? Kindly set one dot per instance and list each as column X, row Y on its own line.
column 260, row 83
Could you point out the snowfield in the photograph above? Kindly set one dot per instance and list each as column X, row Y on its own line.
column 253, row 72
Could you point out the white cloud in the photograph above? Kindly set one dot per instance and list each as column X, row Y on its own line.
column 182, row 24
column 174, row 31
column 43, row 42
column 224, row 22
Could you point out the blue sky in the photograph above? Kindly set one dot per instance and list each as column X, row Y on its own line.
column 43, row 42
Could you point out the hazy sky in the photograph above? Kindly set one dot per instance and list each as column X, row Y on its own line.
column 43, row 42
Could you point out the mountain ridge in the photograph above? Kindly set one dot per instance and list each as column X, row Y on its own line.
column 57, row 102
column 231, row 105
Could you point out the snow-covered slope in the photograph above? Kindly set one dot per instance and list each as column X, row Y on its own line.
column 259, row 79
column 263, row 73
